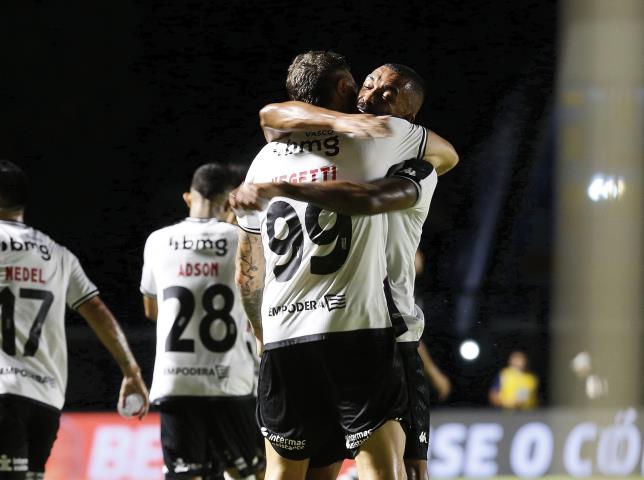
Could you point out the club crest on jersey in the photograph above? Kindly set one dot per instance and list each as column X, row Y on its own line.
column 14, row 245
column 219, row 246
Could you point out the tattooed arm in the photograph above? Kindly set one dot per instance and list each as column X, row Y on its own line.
column 249, row 277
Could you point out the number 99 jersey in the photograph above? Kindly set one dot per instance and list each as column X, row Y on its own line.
column 37, row 278
column 189, row 268
column 324, row 271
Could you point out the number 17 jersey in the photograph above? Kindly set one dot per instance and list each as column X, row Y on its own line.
column 324, row 271
column 189, row 268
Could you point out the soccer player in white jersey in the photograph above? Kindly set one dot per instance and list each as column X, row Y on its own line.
column 204, row 372
column 396, row 90
column 38, row 277
column 330, row 354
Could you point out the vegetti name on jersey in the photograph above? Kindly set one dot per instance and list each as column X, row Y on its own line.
column 201, row 350
column 37, row 278
column 324, row 271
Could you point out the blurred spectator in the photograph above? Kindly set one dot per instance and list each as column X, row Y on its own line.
column 515, row 388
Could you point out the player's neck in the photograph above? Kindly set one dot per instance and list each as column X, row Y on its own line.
column 12, row 215
column 205, row 210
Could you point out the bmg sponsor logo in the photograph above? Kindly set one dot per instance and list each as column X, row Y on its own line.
column 219, row 246
column 14, row 245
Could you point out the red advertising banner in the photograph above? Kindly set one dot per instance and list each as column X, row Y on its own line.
column 104, row 446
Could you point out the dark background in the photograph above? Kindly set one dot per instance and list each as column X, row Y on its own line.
column 110, row 106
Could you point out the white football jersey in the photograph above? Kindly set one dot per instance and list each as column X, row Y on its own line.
column 403, row 236
column 37, row 278
column 201, row 327
column 324, row 271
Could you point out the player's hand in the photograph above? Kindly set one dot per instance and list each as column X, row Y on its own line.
column 252, row 196
column 363, row 125
column 443, row 387
column 134, row 384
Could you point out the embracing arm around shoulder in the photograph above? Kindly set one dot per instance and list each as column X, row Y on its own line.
column 278, row 119
column 440, row 153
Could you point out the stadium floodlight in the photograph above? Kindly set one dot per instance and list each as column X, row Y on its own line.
column 469, row 350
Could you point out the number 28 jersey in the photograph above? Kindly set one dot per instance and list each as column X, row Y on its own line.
column 324, row 271
column 37, row 278
column 201, row 350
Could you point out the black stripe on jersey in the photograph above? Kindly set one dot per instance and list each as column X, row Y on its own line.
column 421, row 149
column 83, row 299
column 250, row 230
column 397, row 320
column 146, row 293
column 350, row 336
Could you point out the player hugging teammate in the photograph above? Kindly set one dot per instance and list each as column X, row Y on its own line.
column 333, row 380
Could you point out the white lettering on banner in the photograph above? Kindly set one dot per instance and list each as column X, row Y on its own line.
column 619, row 445
column 124, row 453
column 481, row 450
column 573, row 462
column 447, row 449
column 532, row 449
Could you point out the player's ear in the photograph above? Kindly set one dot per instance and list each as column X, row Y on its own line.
column 188, row 199
column 346, row 85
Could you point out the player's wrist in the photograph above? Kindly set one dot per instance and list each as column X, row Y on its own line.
column 131, row 371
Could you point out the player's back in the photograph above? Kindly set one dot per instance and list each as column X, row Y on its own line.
column 201, row 351
column 37, row 278
column 403, row 236
column 324, row 271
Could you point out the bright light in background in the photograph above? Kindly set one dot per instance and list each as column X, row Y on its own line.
column 470, row 350
column 604, row 187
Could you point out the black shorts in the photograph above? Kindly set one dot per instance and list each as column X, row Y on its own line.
column 418, row 392
column 306, row 390
column 207, row 435
column 28, row 431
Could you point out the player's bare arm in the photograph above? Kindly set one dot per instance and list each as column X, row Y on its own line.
column 277, row 119
column 344, row 197
column 150, row 307
column 249, row 277
column 107, row 329
column 440, row 153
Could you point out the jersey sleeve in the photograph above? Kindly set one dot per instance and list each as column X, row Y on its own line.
column 249, row 221
column 421, row 174
column 148, row 285
column 407, row 141
column 80, row 288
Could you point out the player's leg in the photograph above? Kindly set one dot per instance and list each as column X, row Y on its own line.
column 42, row 429
column 329, row 472
column 293, row 409
column 371, row 398
column 281, row 468
column 183, row 439
column 380, row 457
column 13, row 440
column 418, row 393
column 235, row 436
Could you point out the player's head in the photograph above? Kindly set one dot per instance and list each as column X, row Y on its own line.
column 392, row 89
column 518, row 360
column 14, row 191
column 209, row 189
column 323, row 79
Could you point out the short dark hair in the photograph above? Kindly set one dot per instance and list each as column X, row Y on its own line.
column 212, row 179
column 14, row 186
column 415, row 81
column 311, row 76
